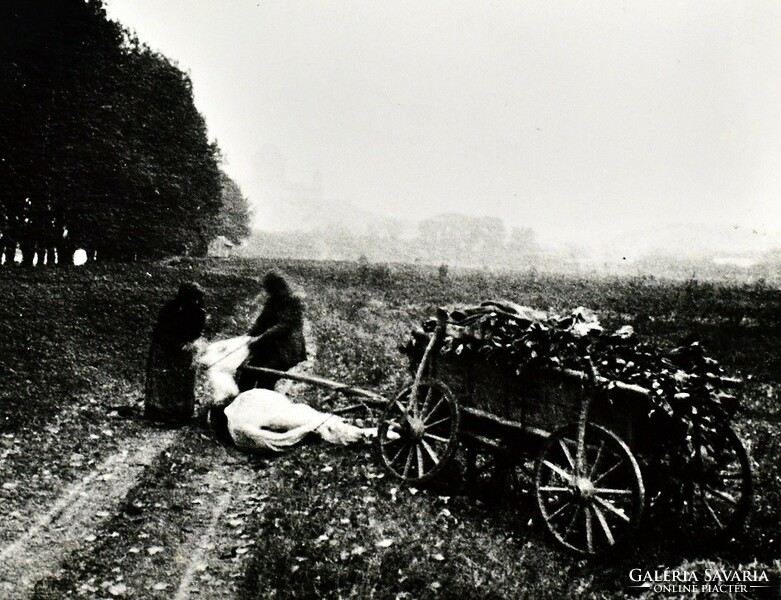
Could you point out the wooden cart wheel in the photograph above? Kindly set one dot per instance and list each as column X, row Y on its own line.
column 588, row 506
column 716, row 483
column 416, row 440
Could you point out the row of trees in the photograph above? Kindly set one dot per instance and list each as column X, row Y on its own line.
column 453, row 239
column 478, row 241
column 101, row 146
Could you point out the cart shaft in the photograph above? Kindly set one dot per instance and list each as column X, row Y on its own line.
column 371, row 397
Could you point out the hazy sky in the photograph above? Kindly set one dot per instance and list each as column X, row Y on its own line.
column 568, row 117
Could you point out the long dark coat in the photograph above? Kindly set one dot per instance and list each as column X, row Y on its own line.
column 281, row 346
column 170, row 378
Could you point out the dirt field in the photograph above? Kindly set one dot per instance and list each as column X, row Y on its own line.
column 98, row 503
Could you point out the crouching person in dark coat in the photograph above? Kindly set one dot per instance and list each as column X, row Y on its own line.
column 170, row 377
column 280, row 336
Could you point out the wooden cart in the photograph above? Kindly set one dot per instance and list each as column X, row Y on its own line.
column 587, row 477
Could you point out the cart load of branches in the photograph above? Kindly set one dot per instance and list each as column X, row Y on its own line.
column 684, row 384
column 584, row 390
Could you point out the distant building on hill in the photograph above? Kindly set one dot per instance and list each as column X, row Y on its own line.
column 221, row 247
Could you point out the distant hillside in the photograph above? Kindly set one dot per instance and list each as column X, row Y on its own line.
column 308, row 227
column 689, row 240
column 304, row 213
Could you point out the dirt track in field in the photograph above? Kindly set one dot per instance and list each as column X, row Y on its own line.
column 98, row 536
column 71, row 549
column 37, row 552
column 161, row 514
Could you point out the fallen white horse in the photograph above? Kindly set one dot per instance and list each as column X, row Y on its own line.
column 265, row 419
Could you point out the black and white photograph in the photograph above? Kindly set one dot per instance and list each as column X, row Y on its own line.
column 410, row 300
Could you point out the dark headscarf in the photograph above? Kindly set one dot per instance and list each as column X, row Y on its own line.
column 190, row 292
column 275, row 284
column 181, row 320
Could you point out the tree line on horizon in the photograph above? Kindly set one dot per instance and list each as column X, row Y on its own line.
column 459, row 240
column 101, row 145
column 449, row 239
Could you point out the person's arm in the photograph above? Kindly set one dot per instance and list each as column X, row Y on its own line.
column 263, row 322
column 290, row 317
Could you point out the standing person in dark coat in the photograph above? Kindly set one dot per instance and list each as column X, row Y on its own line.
column 170, row 380
column 280, row 332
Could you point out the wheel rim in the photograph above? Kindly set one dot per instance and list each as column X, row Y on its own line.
column 417, row 439
column 717, row 483
column 588, row 506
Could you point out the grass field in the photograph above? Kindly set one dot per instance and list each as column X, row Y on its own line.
column 321, row 521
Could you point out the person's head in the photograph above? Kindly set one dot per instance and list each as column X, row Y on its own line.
column 191, row 292
column 275, row 284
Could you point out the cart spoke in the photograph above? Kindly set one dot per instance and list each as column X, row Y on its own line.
column 401, row 407
column 438, row 438
column 567, row 454
column 596, row 460
column 408, row 464
column 616, row 511
column 608, row 472
column 558, row 470
column 712, row 513
column 720, row 494
column 429, row 394
column 432, row 454
column 439, row 447
column 554, row 488
column 398, row 453
column 603, row 522
column 589, row 531
column 572, row 522
column 392, row 440
column 435, row 423
column 419, row 455
column 613, row 491
column 559, row 511
column 433, row 410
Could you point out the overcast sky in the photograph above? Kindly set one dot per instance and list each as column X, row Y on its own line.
column 569, row 117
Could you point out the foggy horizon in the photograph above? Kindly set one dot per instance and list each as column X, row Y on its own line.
column 580, row 122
